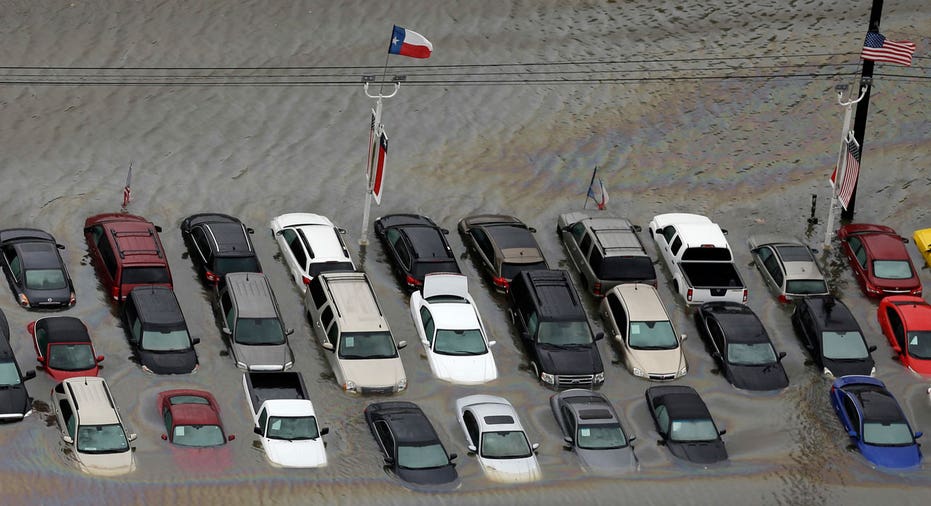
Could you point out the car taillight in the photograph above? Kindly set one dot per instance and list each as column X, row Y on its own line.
column 688, row 295
column 305, row 279
column 746, row 293
column 501, row 283
column 412, row 282
column 597, row 289
column 72, row 300
column 31, row 328
column 212, row 277
column 115, row 292
column 917, row 292
column 23, row 300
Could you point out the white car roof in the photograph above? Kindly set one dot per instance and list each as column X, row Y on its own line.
column 483, row 406
column 454, row 315
column 290, row 407
column 292, row 219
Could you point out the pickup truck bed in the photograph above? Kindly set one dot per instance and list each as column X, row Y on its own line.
column 274, row 385
column 711, row 274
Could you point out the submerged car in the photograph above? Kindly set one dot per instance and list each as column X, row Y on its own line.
column 35, row 270
column 875, row 422
column 416, row 247
column 496, row 437
column 157, row 332
column 592, row 428
column 310, row 244
column 410, row 444
column 192, row 419
column 685, row 425
column 503, row 246
column 126, row 252
column 879, row 260
column 788, row 266
column 832, row 337
column 451, row 331
column 219, row 244
column 906, row 323
column 63, row 347
column 741, row 346
column 15, row 403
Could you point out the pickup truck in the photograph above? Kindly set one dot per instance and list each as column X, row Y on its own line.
column 284, row 418
column 698, row 257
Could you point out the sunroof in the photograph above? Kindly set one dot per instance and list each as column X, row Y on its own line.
column 498, row 420
column 594, row 414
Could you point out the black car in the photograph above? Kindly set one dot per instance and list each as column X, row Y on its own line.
column 416, row 247
column 155, row 325
column 685, row 424
column 592, row 428
column 741, row 347
column 832, row 337
column 554, row 329
column 35, row 270
column 15, row 402
column 503, row 246
column 411, row 446
column 219, row 244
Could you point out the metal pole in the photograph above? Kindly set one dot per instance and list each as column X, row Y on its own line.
column 863, row 108
column 841, row 159
column 370, row 161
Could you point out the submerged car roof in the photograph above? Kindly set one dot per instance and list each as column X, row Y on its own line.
column 739, row 322
column 877, row 403
column 157, row 305
column 554, row 296
column 136, row 238
column 830, row 313
column 230, row 238
column 38, row 255
column 408, row 422
column 252, row 295
column 91, row 400
column 643, row 302
column 427, row 242
column 64, row 329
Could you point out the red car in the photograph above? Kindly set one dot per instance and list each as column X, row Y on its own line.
column 192, row 418
column 63, row 347
column 879, row 260
column 906, row 322
column 127, row 252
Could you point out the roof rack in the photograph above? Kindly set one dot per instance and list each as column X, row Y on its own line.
column 148, row 232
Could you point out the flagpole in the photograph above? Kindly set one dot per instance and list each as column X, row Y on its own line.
column 371, row 161
column 589, row 189
column 841, row 159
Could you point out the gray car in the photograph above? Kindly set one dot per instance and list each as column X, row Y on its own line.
column 788, row 266
column 593, row 430
column 252, row 323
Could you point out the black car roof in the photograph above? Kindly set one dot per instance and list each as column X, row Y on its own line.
column 427, row 243
column 407, row 421
column 831, row 314
column 739, row 322
column 38, row 255
column 684, row 406
column 400, row 220
column 877, row 403
column 157, row 305
column 13, row 235
column 197, row 219
column 553, row 294
column 64, row 329
column 230, row 237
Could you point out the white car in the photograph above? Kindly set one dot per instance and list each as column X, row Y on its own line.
column 310, row 244
column 494, row 434
column 451, row 331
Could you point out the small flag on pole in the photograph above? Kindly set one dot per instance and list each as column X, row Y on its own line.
column 127, row 190
column 406, row 42
column 877, row 47
column 597, row 192
column 850, row 173
column 379, row 177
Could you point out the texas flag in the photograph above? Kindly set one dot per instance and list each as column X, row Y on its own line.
column 409, row 43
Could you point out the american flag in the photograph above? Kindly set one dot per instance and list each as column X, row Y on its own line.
column 851, row 172
column 128, row 190
column 877, row 48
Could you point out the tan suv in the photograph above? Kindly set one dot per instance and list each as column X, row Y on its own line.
column 91, row 424
column 352, row 329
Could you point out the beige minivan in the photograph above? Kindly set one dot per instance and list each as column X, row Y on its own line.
column 353, row 330
column 90, row 423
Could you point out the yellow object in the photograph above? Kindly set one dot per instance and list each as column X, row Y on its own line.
column 923, row 242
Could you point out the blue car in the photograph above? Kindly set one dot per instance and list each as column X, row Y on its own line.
column 873, row 419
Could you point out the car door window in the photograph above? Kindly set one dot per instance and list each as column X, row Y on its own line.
column 200, row 243
column 771, row 264
column 859, row 252
column 616, row 312
column 13, row 261
column 484, row 244
column 132, row 319
column 586, row 244
column 106, row 254
column 668, row 233
column 532, row 322
column 428, row 326
column 716, row 334
column 676, row 244
column 263, row 419
column 316, row 292
column 896, row 326
column 294, row 244
column 394, row 239
column 167, row 416
column 41, row 339
column 662, row 418
column 852, row 413
column 578, row 230
column 226, row 308
column 570, row 421
column 471, row 427
column 596, row 261
column 404, row 255
column 384, row 435
column 69, row 420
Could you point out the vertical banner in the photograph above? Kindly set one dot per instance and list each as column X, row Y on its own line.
column 369, row 161
column 128, row 190
column 382, row 154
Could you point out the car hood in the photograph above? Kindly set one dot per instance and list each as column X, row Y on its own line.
column 660, row 362
column 576, row 360
column 467, row 370
column 609, row 462
column 107, row 464
column 433, row 476
column 373, row 373
column 758, row 377
column 699, row 452
column 14, row 402
column 263, row 357
column 898, row 457
column 59, row 375
column 48, row 298
column 299, row 453
column 849, row 367
column 171, row 362
column 512, row 470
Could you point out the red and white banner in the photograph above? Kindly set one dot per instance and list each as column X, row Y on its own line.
column 379, row 176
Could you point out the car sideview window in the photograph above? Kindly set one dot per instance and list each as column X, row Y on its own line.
column 570, row 421
column 596, row 260
column 263, row 419
column 471, row 426
column 68, row 415
column 532, row 322
column 481, row 238
column 428, row 325
column 316, row 292
column 858, row 250
column 578, row 230
column 16, row 267
column 586, row 243
column 668, row 233
column 676, row 244
column 852, row 413
column 200, row 242
column 662, row 418
column 404, row 254
column 617, row 311
column 106, row 253
column 717, row 335
column 771, row 262
column 226, row 307
column 898, row 329
column 384, row 434
column 294, row 244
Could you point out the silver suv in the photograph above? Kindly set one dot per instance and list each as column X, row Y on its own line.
column 251, row 323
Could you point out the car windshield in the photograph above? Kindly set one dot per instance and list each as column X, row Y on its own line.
column 693, row 430
column 892, row 269
column 318, row 267
column 226, row 265
column 652, row 336
column 510, row 271
column 198, row 435
column 253, row 331
column 750, row 353
column 459, row 342
column 367, row 345
column 841, row 345
column 564, row 333
column 887, row 434
column 165, row 340
column 919, row 344
column 71, row 357
column 9, row 375
column 806, row 286
column 508, row 444
column 600, row 437
column 45, row 279
column 292, row 427
column 102, row 439
column 422, row 457
column 622, row 268
column 146, row 276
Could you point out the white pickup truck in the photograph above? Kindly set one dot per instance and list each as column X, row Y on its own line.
column 697, row 254
column 285, row 419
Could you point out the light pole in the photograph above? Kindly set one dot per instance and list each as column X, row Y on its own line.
column 841, row 166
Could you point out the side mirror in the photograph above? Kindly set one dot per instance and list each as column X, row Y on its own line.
column 472, row 450
column 41, row 360
column 532, row 230
column 453, row 456
column 250, row 230
column 279, row 232
column 60, row 246
column 637, row 228
column 324, row 431
column 918, row 434
column 905, row 240
column 852, row 433
column 781, row 356
column 328, row 346
column 535, row 447
column 717, row 355
column 524, row 335
column 99, row 358
column 226, row 330
column 196, row 340
column 568, row 442
column 724, row 231
column 231, row 437
column 132, row 437
column 492, row 343
column 29, row 375
column 402, row 344
column 872, row 348
column 341, row 230
column 288, row 332
column 684, row 336
column 68, row 439
column 389, row 460
column 599, row 336
column 722, row 432
column 158, row 229
column 631, row 438
column 445, row 232
column 660, row 442
column 164, row 437
column 257, row 430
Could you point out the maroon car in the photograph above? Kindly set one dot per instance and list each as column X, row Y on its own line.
column 192, row 418
column 879, row 260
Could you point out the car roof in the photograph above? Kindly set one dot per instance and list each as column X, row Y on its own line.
column 876, row 403
column 38, row 255
column 915, row 311
column 616, row 236
column 354, row 300
column 682, row 405
column 590, row 408
column 231, row 239
column 157, row 305
column 64, row 329
column 135, row 237
column 642, row 301
column 554, row 296
column 830, row 313
column 739, row 323
column 427, row 242
column 192, row 413
column 454, row 315
column 511, row 236
column 91, row 399
column 301, row 219
column 408, row 422
column 886, row 245
column 493, row 417
column 403, row 220
column 252, row 294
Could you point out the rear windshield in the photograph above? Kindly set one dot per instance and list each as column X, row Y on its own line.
column 145, row 276
column 626, row 268
column 892, row 269
column 723, row 254
column 510, row 271
column 226, row 265
column 422, row 268
column 317, row 268
column 806, row 286
column 45, row 279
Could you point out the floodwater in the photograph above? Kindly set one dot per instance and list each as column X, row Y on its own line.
column 218, row 109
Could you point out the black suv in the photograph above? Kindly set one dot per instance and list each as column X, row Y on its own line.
column 15, row 402
column 156, row 329
column 554, row 329
column 219, row 244
column 832, row 337
column 416, row 246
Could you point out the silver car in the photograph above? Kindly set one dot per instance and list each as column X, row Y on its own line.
column 251, row 322
column 788, row 266
column 592, row 428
